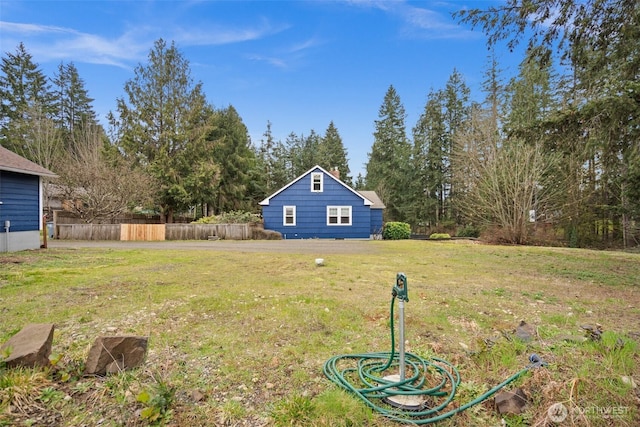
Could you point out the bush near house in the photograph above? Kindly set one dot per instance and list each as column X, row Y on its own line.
column 396, row 231
column 439, row 236
column 468, row 231
column 232, row 217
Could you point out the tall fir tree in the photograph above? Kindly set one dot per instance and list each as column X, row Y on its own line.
column 428, row 183
column 163, row 117
column 273, row 158
column 303, row 152
column 236, row 159
column 25, row 96
column 333, row 154
column 531, row 98
column 72, row 101
column 494, row 90
column 388, row 167
column 456, row 113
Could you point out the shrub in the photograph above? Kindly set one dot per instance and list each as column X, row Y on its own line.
column 447, row 226
column 439, row 236
column 396, row 231
column 468, row 231
column 261, row 234
column 232, row 217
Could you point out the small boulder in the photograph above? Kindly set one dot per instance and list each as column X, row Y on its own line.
column 197, row 396
column 109, row 355
column 511, row 402
column 594, row 333
column 525, row 332
column 30, row 347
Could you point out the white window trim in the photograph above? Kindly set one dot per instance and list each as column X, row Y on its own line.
column 339, row 208
column 318, row 174
column 284, row 216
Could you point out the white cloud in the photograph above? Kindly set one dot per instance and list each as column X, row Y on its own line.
column 418, row 22
column 53, row 43
column 304, row 45
column 271, row 60
column 220, row 35
column 50, row 43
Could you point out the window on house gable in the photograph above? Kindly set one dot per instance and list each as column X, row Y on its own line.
column 338, row 215
column 316, row 182
column 288, row 215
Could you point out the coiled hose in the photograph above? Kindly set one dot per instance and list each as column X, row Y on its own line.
column 366, row 369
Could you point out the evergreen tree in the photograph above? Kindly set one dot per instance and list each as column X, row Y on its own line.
column 236, row 159
column 388, row 166
column 72, row 101
column 599, row 45
column 531, row 98
column 332, row 154
column 303, row 152
column 360, row 183
column 432, row 188
column 494, row 90
column 257, row 180
column 163, row 123
column 274, row 161
column 429, row 145
column 25, row 96
column 456, row 114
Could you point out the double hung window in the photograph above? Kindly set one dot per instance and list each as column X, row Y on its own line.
column 288, row 215
column 338, row 215
column 316, row 182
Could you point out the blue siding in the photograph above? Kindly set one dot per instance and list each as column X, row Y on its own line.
column 376, row 221
column 311, row 211
column 20, row 197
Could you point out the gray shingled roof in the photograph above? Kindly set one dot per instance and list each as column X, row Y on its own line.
column 373, row 198
column 10, row 161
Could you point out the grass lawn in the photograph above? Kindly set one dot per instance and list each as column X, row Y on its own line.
column 240, row 338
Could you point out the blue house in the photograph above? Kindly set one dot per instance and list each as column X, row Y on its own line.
column 318, row 204
column 20, row 202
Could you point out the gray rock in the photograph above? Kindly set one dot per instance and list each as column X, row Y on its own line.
column 30, row 347
column 109, row 355
column 525, row 332
column 511, row 402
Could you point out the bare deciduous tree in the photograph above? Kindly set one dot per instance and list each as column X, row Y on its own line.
column 503, row 185
column 99, row 184
column 42, row 144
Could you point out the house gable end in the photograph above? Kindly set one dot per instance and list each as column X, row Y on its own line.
column 326, row 176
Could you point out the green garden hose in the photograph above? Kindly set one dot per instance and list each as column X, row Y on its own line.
column 366, row 370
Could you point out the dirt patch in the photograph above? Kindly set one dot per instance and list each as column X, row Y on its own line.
column 12, row 260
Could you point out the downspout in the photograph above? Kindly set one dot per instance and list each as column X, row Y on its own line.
column 6, row 244
column 7, row 225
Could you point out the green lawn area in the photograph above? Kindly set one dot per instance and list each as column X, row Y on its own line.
column 240, row 338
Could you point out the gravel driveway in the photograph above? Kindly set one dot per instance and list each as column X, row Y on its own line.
column 311, row 246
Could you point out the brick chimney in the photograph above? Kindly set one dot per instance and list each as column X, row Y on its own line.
column 335, row 172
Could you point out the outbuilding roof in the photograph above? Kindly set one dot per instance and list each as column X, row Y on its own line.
column 11, row 162
column 373, row 198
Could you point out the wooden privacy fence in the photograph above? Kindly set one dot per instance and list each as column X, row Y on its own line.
column 206, row 231
column 148, row 232
column 142, row 232
column 88, row 232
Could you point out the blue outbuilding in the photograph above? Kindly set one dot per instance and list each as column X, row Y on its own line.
column 20, row 202
column 318, row 204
